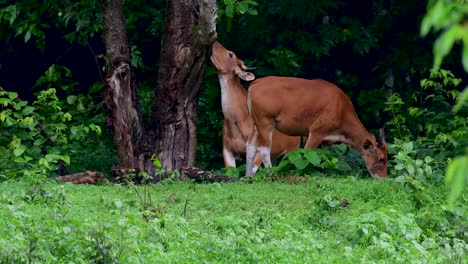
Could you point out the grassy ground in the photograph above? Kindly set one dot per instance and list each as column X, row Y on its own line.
column 326, row 220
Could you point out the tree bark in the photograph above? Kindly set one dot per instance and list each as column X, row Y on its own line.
column 190, row 30
column 121, row 96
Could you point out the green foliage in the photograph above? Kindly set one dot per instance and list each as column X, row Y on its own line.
column 386, row 231
column 284, row 61
column 426, row 111
column 456, row 177
column 426, row 116
column 237, row 223
column 414, row 172
column 25, row 21
column 428, row 134
column 450, row 17
column 24, row 134
column 36, row 136
column 457, row 170
column 28, row 20
column 313, row 162
column 411, row 171
column 231, row 8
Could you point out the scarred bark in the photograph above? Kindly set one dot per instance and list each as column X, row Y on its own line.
column 121, row 96
column 189, row 32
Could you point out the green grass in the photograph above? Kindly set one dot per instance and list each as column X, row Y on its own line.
column 326, row 220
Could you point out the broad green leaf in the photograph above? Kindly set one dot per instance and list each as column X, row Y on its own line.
column 342, row 148
column 413, row 111
column 56, row 157
column 426, row 25
column 10, row 121
column 96, row 129
column 22, row 159
column 95, row 88
column 27, row 36
column 66, row 159
column 20, row 105
column 462, row 99
column 80, row 106
column 230, row 10
column 45, row 163
column 39, row 141
column 428, row 159
column 3, row 116
column 71, row 99
column 4, row 101
column 293, row 156
column 343, row 166
column 19, row 150
column 300, row 163
column 455, row 178
column 312, row 157
column 408, row 146
column 242, row 8
column 12, row 95
column 444, row 44
column 28, row 121
column 399, row 166
column 156, row 161
column 27, row 110
column 66, row 117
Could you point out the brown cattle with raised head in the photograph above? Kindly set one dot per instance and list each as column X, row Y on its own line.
column 238, row 125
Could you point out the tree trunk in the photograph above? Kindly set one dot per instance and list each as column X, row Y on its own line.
column 190, row 30
column 121, row 96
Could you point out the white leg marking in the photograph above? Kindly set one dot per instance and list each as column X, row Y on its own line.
column 255, row 169
column 229, row 159
column 251, row 150
column 265, row 154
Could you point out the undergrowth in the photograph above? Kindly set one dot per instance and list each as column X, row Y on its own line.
column 318, row 221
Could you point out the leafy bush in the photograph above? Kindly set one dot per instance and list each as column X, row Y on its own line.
column 318, row 161
column 40, row 138
column 425, row 127
column 390, row 233
column 414, row 169
column 426, row 112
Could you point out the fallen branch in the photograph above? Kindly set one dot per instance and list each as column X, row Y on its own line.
column 87, row 177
